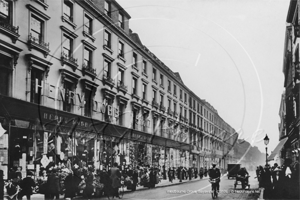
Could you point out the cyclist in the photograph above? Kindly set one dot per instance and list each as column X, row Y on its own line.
column 242, row 176
column 214, row 173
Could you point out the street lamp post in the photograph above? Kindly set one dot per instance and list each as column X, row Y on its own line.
column 266, row 140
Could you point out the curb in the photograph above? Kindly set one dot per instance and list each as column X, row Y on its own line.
column 261, row 196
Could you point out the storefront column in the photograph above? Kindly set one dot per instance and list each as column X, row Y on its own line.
column 96, row 154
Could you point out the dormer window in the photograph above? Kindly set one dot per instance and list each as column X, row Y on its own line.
column 121, row 20
column 106, row 8
column 134, row 62
column 68, row 10
column 144, row 67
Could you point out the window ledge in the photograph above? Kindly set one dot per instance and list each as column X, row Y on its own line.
column 121, row 58
column 64, row 19
column 88, row 70
column 39, row 45
column 86, row 34
column 154, row 81
column 144, row 74
column 135, row 96
column 135, row 67
column 105, row 47
column 175, row 95
column 162, row 86
column 122, row 88
column 169, row 91
column 11, row 31
column 145, row 101
column 108, row 81
column 72, row 62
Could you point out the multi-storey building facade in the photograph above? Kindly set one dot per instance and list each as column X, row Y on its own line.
column 289, row 109
column 77, row 85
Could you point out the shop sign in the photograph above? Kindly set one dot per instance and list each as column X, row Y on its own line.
column 59, row 93
column 55, row 116
column 104, row 107
column 136, row 136
column 45, row 161
column 109, row 138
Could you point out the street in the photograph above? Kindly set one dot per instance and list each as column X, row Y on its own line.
column 197, row 190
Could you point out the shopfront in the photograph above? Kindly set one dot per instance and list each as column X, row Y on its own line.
column 37, row 136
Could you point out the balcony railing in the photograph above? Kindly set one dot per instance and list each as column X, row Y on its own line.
column 38, row 44
column 89, row 70
column 10, row 27
column 162, row 108
column 70, row 60
column 155, row 104
column 186, row 120
column 181, row 118
column 175, row 114
column 144, row 100
column 121, row 86
column 108, row 80
column 10, row 30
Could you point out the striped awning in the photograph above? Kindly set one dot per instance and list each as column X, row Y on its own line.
column 278, row 148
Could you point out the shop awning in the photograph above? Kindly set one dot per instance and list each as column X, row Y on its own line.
column 277, row 149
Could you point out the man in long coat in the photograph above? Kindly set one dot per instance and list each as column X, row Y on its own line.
column 115, row 176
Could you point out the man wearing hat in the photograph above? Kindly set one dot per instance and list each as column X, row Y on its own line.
column 27, row 184
column 277, row 182
column 214, row 173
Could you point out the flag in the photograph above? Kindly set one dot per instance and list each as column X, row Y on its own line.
column 55, row 132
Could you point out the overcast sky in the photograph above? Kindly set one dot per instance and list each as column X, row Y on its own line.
column 229, row 52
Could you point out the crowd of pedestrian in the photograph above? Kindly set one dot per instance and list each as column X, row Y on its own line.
column 279, row 181
column 182, row 173
column 82, row 180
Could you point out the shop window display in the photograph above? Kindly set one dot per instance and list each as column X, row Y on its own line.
column 109, row 153
column 85, row 151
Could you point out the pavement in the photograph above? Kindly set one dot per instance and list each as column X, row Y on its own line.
column 162, row 183
column 198, row 186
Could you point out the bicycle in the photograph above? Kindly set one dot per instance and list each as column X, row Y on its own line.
column 214, row 192
column 243, row 180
